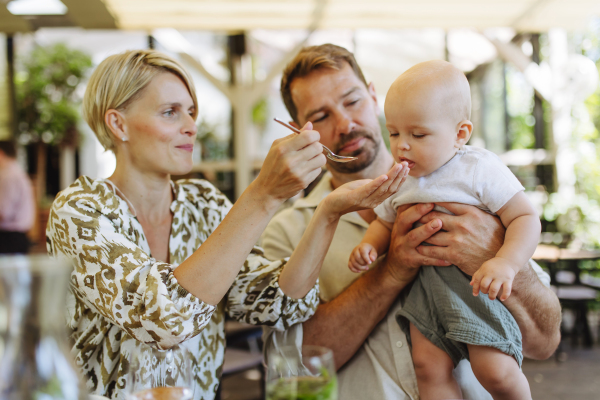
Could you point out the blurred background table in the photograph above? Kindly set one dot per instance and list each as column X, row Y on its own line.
column 572, row 278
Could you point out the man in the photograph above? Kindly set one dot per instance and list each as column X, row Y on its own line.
column 324, row 85
column 17, row 207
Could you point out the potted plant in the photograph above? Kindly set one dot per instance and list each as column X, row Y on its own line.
column 47, row 112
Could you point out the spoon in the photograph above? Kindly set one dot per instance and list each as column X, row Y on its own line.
column 328, row 153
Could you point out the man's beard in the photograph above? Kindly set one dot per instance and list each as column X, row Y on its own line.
column 366, row 154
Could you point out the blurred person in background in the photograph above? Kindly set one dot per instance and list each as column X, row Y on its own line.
column 159, row 263
column 17, row 204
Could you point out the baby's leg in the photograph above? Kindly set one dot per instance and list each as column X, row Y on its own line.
column 433, row 368
column 499, row 373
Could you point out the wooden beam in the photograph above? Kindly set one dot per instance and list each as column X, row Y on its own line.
column 12, row 23
column 90, row 14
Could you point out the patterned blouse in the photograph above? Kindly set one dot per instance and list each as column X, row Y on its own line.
column 121, row 297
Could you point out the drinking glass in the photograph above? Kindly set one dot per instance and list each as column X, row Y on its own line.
column 306, row 376
column 160, row 374
column 37, row 361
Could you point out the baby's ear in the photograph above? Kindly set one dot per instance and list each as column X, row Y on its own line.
column 463, row 134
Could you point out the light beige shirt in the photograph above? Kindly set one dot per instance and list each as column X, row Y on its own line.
column 382, row 368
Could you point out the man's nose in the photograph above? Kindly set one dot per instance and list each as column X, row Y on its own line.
column 345, row 125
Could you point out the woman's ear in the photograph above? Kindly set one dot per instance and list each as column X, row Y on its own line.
column 115, row 121
column 465, row 128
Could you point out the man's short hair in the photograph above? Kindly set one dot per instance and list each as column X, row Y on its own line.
column 8, row 148
column 310, row 59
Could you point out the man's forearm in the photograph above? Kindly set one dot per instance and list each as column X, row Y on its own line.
column 344, row 323
column 537, row 312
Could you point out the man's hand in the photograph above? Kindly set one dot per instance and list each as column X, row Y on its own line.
column 468, row 239
column 403, row 260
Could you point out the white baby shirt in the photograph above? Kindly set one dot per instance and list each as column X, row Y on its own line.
column 474, row 176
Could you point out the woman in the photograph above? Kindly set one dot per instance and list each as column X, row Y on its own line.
column 160, row 262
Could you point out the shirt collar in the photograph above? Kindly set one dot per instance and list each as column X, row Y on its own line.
column 179, row 194
column 319, row 192
column 177, row 189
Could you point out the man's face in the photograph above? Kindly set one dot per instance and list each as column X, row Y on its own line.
column 343, row 111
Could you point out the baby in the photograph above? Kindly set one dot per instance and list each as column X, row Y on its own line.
column 427, row 110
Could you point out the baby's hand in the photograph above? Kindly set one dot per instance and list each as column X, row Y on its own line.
column 495, row 275
column 362, row 255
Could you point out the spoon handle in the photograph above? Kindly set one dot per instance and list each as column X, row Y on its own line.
column 287, row 125
column 328, row 153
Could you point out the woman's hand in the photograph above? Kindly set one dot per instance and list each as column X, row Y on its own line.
column 302, row 269
column 291, row 164
column 365, row 193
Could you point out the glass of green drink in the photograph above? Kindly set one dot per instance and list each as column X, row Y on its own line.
column 306, row 376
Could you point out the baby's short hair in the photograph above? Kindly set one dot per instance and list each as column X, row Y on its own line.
column 442, row 72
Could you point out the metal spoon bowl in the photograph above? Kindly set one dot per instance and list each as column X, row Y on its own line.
column 328, row 153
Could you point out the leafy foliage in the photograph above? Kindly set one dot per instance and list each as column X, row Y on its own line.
column 213, row 148
column 578, row 214
column 520, row 106
column 46, row 94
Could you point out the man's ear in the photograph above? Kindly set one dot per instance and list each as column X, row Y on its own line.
column 115, row 121
column 373, row 94
column 463, row 134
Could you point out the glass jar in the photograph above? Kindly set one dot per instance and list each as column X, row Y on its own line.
column 37, row 363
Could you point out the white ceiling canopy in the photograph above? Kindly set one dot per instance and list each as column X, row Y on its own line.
column 241, row 15
column 522, row 15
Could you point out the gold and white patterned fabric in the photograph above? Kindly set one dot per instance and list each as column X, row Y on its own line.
column 121, row 297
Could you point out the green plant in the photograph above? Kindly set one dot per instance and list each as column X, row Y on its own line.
column 47, row 102
column 520, row 105
column 260, row 113
column 578, row 213
column 213, row 148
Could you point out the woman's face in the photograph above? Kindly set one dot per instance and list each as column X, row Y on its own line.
column 160, row 127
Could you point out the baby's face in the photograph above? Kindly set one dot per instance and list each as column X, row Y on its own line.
column 422, row 131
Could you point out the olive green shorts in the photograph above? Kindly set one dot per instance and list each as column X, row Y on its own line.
column 442, row 307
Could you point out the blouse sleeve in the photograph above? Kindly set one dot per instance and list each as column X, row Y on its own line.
column 256, row 297
column 116, row 278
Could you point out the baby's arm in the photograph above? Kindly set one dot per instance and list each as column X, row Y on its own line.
column 375, row 242
column 522, row 234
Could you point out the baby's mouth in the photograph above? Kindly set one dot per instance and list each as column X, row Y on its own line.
column 410, row 163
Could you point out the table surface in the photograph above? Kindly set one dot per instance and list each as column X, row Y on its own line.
column 548, row 253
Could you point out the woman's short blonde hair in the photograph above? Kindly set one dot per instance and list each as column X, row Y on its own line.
column 119, row 80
